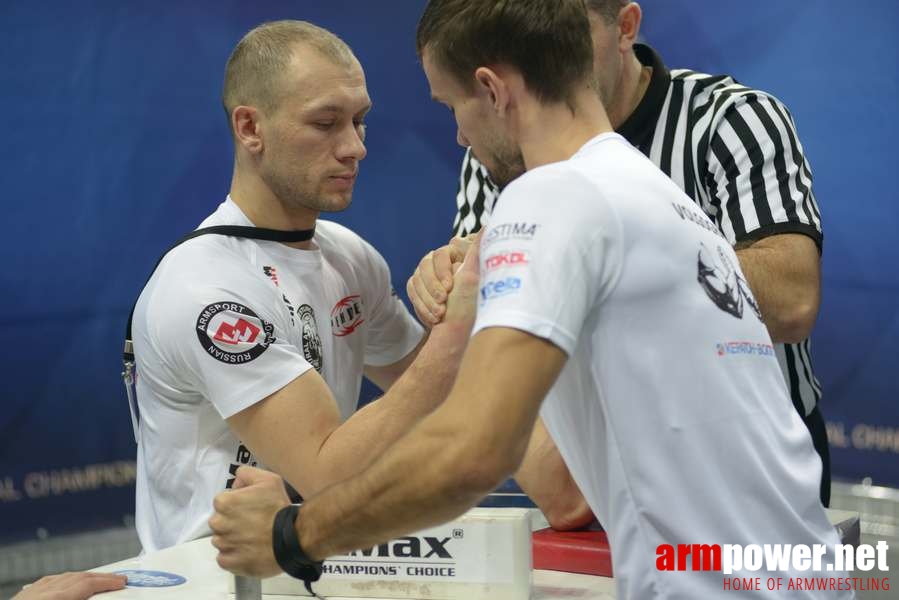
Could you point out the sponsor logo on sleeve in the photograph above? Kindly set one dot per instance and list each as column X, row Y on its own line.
column 500, row 287
column 312, row 342
column 502, row 260
column 232, row 333
column 510, row 231
column 346, row 316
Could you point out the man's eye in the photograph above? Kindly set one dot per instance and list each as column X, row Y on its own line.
column 361, row 127
column 324, row 125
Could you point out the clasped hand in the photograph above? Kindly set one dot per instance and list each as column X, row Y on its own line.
column 444, row 286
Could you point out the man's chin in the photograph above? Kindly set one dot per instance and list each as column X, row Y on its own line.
column 335, row 204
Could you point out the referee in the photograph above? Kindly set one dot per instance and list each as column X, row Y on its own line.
column 735, row 151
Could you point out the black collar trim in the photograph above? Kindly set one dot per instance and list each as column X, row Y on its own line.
column 638, row 128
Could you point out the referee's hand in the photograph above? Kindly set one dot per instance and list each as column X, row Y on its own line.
column 242, row 523
column 432, row 281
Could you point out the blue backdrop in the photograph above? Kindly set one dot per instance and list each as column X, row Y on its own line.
column 116, row 145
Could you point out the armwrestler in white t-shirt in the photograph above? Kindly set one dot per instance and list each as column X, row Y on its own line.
column 252, row 352
column 226, row 322
column 609, row 305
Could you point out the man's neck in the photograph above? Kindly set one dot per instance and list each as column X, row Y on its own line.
column 629, row 91
column 552, row 133
column 264, row 209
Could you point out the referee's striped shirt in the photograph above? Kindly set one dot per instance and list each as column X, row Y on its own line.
column 733, row 150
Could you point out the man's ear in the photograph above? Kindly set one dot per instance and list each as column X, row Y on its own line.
column 489, row 82
column 247, row 131
column 629, row 19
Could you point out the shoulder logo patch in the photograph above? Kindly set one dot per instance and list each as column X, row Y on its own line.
column 312, row 342
column 232, row 333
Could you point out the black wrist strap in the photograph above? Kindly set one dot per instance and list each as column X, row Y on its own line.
column 288, row 552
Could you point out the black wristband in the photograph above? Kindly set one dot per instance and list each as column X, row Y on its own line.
column 288, row 552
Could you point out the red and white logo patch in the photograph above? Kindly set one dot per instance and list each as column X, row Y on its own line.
column 232, row 333
column 346, row 316
column 505, row 259
column 235, row 333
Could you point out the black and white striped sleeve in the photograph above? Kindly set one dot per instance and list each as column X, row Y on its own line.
column 758, row 177
column 475, row 197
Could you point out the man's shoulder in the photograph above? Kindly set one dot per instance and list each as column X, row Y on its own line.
column 716, row 93
column 597, row 167
column 190, row 272
column 205, row 253
column 332, row 230
column 580, row 194
column 341, row 244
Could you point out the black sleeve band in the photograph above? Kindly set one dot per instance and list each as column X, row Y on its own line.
column 288, row 552
column 779, row 228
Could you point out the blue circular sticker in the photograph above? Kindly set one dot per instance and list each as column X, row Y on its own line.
column 152, row 578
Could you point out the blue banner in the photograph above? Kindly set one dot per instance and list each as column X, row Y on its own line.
column 116, row 145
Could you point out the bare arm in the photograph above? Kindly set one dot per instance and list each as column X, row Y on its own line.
column 784, row 274
column 475, row 439
column 762, row 185
column 386, row 376
column 297, row 431
column 545, row 478
column 543, row 475
column 472, row 441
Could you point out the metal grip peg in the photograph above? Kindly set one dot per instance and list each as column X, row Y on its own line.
column 247, row 588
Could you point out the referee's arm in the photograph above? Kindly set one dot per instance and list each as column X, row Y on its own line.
column 761, row 183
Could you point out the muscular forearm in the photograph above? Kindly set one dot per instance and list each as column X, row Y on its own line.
column 385, row 377
column 451, row 459
column 783, row 272
column 422, row 387
column 442, row 466
column 545, row 478
column 426, row 478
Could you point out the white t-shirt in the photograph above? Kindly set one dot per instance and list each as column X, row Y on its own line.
column 671, row 412
column 225, row 322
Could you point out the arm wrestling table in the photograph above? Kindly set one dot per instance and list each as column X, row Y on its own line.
column 195, row 562
column 197, row 576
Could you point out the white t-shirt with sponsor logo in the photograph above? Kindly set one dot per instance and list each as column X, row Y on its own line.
column 225, row 322
column 671, row 411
